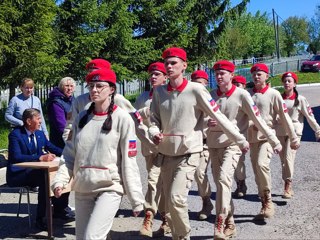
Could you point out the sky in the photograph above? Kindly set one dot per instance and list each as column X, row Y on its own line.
column 284, row 8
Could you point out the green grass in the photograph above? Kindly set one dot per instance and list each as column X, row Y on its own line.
column 4, row 130
column 304, row 78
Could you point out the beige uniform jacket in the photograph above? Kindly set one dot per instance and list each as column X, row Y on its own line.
column 100, row 161
column 239, row 108
column 271, row 107
column 297, row 115
column 179, row 114
column 142, row 105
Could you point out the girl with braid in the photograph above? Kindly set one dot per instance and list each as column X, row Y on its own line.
column 271, row 107
column 101, row 158
column 298, row 108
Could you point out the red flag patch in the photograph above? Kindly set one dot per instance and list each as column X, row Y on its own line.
column 256, row 110
column 132, row 152
column 285, row 109
column 310, row 110
column 138, row 116
column 214, row 105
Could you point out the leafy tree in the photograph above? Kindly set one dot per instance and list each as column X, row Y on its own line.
column 295, row 33
column 246, row 36
column 314, row 32
column 210, row 19
column 27, row 43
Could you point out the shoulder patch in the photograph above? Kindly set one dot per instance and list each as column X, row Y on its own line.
column 215, row 106
column 256, row 110
column 310, row 112
column 285, row 109
column 138, row 116
column 132, row 152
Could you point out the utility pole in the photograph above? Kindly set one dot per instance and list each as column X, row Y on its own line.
column 276, row 33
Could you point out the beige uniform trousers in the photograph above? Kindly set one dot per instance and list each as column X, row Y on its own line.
column 95, row 213
column 201, row 176
column 154, row 198
column 177, row 174
column 240, row 172
column 224, row 162
column 287, row 156
column 261, row 154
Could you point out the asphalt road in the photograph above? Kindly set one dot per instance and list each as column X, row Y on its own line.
column 298, row 218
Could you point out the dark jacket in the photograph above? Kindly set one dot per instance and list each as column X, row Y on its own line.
column 58, row 106
column 20, row 150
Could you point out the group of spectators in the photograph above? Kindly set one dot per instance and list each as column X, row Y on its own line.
column 182, row 128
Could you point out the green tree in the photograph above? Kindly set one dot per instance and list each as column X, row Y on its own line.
column 246, row 36
column 210, row 20
column 27, row 42
column 295, row 33
column 314, row 32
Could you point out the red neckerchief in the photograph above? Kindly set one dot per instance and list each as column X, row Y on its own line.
column 292, row 97
column 263, row 90
column 229, row 93
column 180, row 88
column 151, row 93
column 104, row 113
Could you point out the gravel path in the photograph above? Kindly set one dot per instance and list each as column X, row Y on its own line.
column 298, row 218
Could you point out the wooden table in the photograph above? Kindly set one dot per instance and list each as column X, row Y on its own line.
column 49, row 169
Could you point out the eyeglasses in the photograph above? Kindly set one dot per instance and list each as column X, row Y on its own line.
column 99, row 86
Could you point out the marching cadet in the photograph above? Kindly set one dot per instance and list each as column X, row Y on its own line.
column 271, row 106
column 153, row 197
column 298, row 108
column 101, row 158
column 240, row 172
column 177, row 117
column 201, row 176
column 83, row 102
column 239, row 108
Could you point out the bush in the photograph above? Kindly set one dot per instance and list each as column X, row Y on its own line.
column 4, row 130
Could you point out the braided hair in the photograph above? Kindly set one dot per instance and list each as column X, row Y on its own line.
column 296, row 101
column 83, row 121
column 108, row 122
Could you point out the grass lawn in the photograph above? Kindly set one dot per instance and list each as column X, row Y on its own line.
column 304, row 78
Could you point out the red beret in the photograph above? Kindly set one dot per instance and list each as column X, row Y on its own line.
column 157, row 66
column 224, row 65
column 102, row 75
column 199, row 74
column 175, row 52
column 259, row 67
column 290, row 74
column 98, row 63
column 239, row 79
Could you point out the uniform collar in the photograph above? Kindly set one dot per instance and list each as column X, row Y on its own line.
column 263, row 90
column 179, row 88
column 228, row 93
column 104, row 113
column 292, row 97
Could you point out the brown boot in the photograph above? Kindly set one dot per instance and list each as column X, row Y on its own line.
column 288, row 192
column 267, row 209
column 164, row 227
column 230, row 227
column 219, row 227
column 206, row 208
column 146, row 229
column 241, row 190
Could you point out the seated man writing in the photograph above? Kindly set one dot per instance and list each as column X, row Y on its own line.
column 29, row 144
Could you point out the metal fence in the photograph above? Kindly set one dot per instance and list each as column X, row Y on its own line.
column 137, row 86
